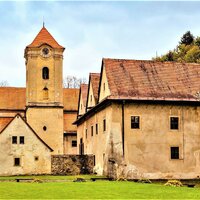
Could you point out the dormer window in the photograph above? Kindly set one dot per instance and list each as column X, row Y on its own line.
column 45, row 73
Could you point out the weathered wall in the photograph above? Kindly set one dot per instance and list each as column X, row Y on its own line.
column 146, row 150
column 104, row 93
column 68, row 149
column 91, row 100
column 52, row 118
column 82, row 108
column 98, row 144
column 34, row 81
column 27, row 152
column 72, row 164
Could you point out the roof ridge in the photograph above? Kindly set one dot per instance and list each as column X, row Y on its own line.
column 150, row 61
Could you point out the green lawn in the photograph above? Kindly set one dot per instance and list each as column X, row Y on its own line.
column 94, row 190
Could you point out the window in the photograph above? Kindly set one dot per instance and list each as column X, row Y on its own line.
column 91, row 98
column 45, row 93
column 44, row 128
column 96, row 128
column 174, row 123
column 104, row 86
column 45, row 73
column 174, row 152
column 74, row 143
column 86, row 133
column 16, row 161
column 36, row 158
column 91, row 130
column 21, row 139
column 135, row 122
column 14, row 139
column 104, row 125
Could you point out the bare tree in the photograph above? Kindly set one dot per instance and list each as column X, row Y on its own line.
column 73, row 82
column 4, row 83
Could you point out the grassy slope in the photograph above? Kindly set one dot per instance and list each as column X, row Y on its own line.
column 95, row 190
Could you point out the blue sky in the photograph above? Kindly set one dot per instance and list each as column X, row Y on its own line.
column 91, row 31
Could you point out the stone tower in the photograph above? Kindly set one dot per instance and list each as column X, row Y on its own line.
column 44, row 90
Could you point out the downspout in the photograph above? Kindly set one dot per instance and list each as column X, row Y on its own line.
column 123, row 103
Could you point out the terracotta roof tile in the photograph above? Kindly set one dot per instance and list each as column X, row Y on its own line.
column 95, row 78
column 4, row 121
column 70, row 98
column 44, row 37
column 137, row 79
column 12, row 98
column 84, row 91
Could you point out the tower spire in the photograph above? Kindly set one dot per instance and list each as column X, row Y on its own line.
column 43, row 22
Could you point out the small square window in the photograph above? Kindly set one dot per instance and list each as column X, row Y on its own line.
column 21, row 139
column 135, row 122
column 74, row 143
column 174, row 152
column 14, row 139
column 16, row 161
column 36, row 158
column 91, row 130
column 174, row 123
column 96, row 128
column 104, row 125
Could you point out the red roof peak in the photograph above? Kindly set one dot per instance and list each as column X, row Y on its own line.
column 44, row 37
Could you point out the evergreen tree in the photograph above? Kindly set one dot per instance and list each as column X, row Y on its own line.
column 187, row 38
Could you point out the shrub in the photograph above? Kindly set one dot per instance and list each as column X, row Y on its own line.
column 174, row 183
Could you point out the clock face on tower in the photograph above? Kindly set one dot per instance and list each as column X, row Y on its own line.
column 45, row 52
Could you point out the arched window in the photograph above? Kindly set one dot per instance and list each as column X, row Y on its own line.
column 45, row 93
column 45, row 73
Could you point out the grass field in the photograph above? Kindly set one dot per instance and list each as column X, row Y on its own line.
column 94, row 190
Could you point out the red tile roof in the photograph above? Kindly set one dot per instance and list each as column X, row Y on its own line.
column 84, row 91
column 44, row 37
column 70, row 99
column 152, row 80
column 4, row 121
column 94, row 79
column 13, row 98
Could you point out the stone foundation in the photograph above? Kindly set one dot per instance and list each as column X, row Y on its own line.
column 72, row 164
